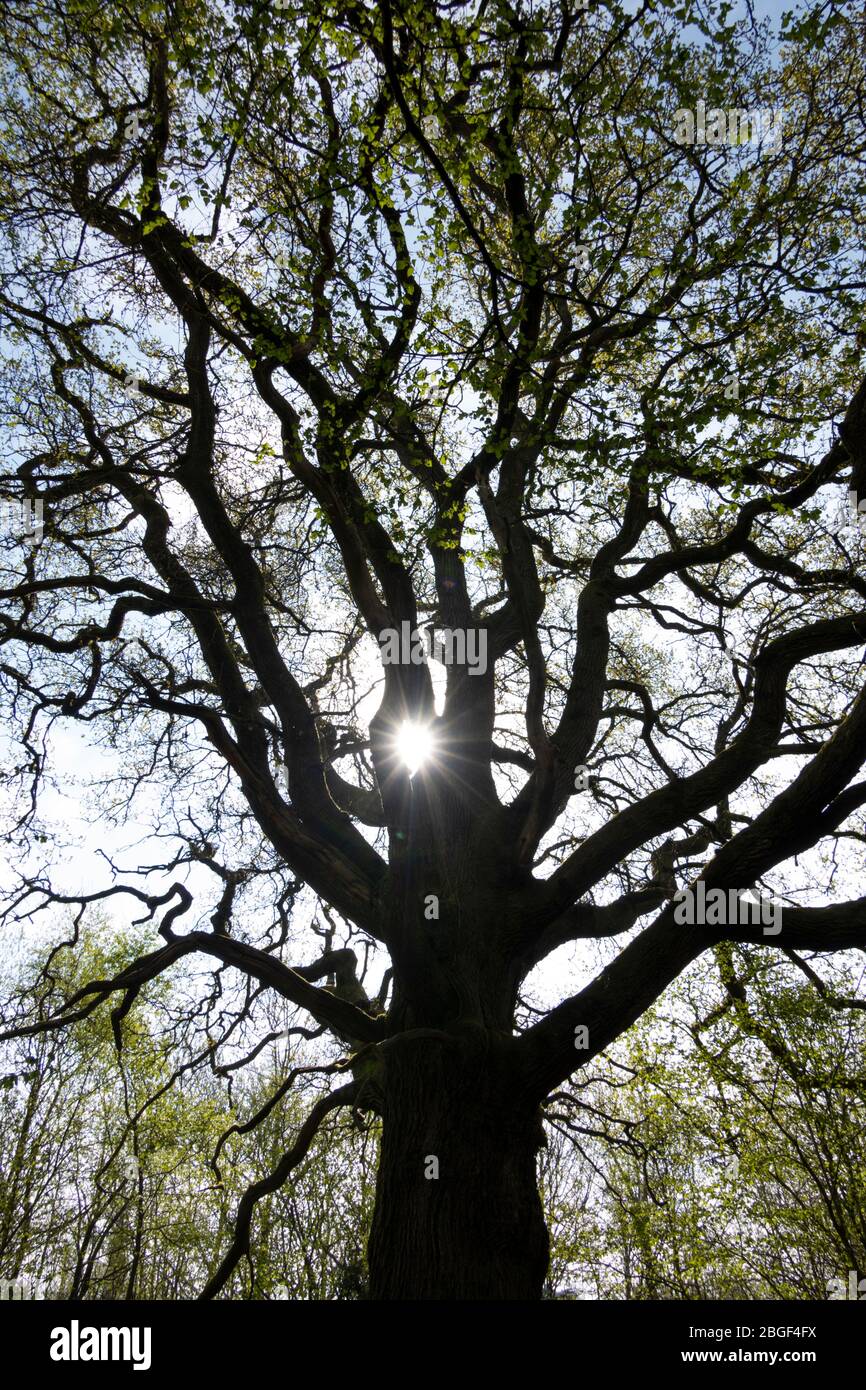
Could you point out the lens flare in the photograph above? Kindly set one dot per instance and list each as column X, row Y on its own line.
column 414, row 745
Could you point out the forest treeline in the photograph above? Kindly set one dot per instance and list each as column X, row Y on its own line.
column 715, row 1152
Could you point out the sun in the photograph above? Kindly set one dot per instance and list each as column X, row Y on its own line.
column 414, row 745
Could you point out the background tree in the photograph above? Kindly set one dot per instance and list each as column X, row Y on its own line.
column 120, row 1170
column 714, row 1152
column 322, row 320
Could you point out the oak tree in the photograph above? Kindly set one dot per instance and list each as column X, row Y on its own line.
column 534, row 329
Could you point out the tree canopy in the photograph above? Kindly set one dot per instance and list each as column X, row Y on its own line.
column 487, row 376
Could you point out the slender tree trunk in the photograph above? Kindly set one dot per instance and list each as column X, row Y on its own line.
column 458, row 1215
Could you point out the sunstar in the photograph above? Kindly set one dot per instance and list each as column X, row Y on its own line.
column 74, row 1343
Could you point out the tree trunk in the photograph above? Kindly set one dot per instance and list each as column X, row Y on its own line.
column 457, row 1215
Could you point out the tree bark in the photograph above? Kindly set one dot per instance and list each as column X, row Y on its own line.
column 458, row 1213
